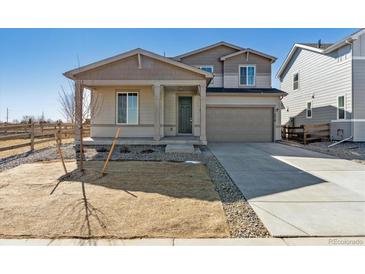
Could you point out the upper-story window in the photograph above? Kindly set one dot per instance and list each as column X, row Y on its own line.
column 295, row 81
column 208, row 69
column 247, row 75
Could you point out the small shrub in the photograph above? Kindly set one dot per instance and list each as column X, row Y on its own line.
column 124, row 149
column 146, row 151
column 101, row 149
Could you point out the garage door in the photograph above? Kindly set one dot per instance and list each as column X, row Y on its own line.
column 240, row 124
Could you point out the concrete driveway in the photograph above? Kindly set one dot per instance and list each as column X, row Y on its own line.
column 297, row 192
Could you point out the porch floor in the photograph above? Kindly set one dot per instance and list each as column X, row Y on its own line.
column 191, row 140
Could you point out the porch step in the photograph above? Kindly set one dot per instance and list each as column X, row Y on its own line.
column 179, row 148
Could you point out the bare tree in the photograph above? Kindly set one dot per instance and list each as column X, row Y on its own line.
column 91, row 104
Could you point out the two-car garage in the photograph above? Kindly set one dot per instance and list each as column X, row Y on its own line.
column 240, row 124
column 243, row 115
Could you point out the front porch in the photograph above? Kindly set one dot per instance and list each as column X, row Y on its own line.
column 166, row 112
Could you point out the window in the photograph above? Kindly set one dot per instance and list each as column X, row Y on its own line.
column 295, row 81
column 309, row 110
column 247, row 75
column 208, row 69
column 341, row 107
column 127, row 108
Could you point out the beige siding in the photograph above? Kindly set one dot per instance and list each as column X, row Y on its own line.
column 263, row 70
column 209, row 57
column 127, row 69
column 322, row 78
column 250, row 101
column 104, row 124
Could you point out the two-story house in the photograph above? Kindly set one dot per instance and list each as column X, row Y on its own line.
column 217, row 93
column 326, row 84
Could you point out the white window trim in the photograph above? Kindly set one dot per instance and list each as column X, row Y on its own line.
column 116, row 107
column 344, row 107
column 239, row 75
column 306, row 110
column 297, row 72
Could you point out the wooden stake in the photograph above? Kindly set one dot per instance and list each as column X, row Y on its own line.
column 58, row 142
column 81, row 148
column 110, row 152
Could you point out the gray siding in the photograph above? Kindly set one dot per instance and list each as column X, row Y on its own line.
column 359, row 46
column 209, row 57
column 322, row 78
column 359, row 88
column 359, row 77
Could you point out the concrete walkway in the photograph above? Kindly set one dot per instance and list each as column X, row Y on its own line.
column 347, row 241
column 296, row 192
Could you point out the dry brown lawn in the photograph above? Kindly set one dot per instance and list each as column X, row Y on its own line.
column 12, row 152
column 135, row 199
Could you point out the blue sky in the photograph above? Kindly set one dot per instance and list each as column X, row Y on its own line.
column 32, row 60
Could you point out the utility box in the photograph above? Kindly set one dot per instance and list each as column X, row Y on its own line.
column 340, row 129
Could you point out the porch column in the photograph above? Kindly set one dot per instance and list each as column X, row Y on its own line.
column 157, row 111
column 203, row 110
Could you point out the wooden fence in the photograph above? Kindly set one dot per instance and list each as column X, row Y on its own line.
column 306, row 133
column 37, row 133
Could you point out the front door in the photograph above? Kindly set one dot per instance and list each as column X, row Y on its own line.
column 185, row 115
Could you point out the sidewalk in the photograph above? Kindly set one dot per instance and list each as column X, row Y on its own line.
column 318, row 241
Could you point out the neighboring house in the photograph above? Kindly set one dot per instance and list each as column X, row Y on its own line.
column 326, row 84
column 218, row 93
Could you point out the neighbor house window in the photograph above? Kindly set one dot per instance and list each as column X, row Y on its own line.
column 209, row 69
column 247, row 75
column 341, row 107
column 127, row 108
column 309, row 110
column 295, row 81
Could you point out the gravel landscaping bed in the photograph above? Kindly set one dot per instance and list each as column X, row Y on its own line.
column 45, row 154
column 242, row 220
column 354, row 151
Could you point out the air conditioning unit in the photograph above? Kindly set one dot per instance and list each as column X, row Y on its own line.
column 340, row 129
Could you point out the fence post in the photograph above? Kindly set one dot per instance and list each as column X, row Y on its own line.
column 32, row 136
column 304, row 134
